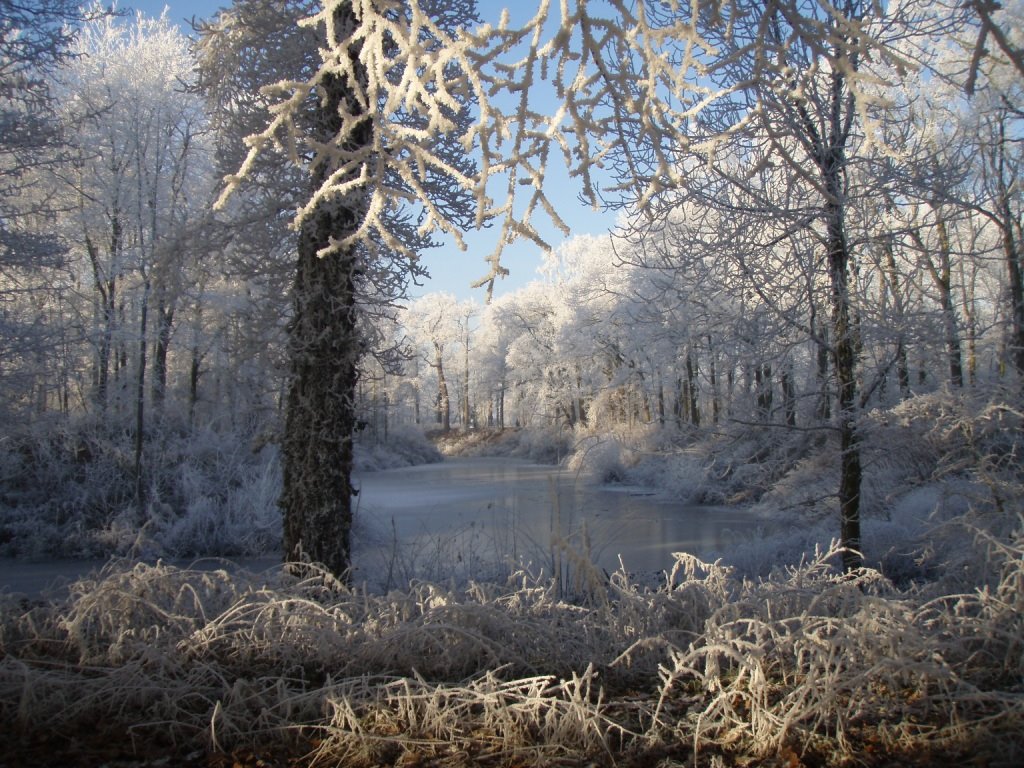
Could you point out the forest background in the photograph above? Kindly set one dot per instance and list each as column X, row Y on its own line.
column 811, row 303
column 693, row 346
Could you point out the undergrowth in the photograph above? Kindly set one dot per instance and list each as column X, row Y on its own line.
column 809, row 667
column 68, row 490
column 790, row 665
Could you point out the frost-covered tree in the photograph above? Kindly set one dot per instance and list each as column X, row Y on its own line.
column 740, row 107
column 597, row 365
column 958, row 165
column 34, row 40
column 997, row 117
column 433, row 324
column 245, row 46
column 377, row 126
column 139, row 187
column 539, row 380
column 999, row 22
column 468, row 313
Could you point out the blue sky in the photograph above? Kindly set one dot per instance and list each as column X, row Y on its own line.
column 451, row 270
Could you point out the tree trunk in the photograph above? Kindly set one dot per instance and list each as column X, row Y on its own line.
column 970, row 320
column 789, row 395
column 942, row 277
column 691, row 387
column 320, row 411
column 831, row 162
column 165, row 322
column 1009, row 228
column 106, row 286
column 661, row 402
column 316, row 498
column 824, row 407
column 465, row 383
column 444, row 408
column 716, row 405
column 678, row 402
column 765, row 395
column 140, row 405
column 1016, row 285
column 945, row 282
column 193, row 383
column 845, row 363
column 902, row 367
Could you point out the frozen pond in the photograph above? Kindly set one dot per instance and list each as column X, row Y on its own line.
column 466, row 513
column 471, row 518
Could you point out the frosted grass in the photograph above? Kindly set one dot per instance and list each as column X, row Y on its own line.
column 707, row 666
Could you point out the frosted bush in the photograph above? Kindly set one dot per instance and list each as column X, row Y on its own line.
column 405, row 446
column 60, row 481
column 544, row 446
column 680, row 475
column 243, row 519
column 599, row 457
column 72, row 493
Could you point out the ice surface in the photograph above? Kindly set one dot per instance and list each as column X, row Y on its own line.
column 515, row 508
column 484, row 510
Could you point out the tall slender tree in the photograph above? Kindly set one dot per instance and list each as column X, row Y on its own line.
column 386, row 83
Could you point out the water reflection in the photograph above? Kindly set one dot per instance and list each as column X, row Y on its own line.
column 468, row 511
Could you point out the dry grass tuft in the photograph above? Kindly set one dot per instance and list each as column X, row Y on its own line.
column 812, row 666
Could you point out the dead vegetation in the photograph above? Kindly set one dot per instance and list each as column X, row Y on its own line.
column 811, row 667
column 144, row 664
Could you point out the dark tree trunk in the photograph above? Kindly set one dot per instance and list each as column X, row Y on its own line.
column 1009, row 226
column 845, row 363
column 193, row 383
column 824, row 407
column 320, row 410
column 316, row 498
column 661, row 402
column 902, row 367
column 1016, row 283
column 713, row 380
column 679, row 402
column 943, row 279
column 945, row 284
column 970, row 321
column 831, row 161
column 140, row 405
column 691, row 388
column 165, row 322
column 789, row 396
column 444, row 408
column 106, row 286
column 466, row 410
column 765, row 393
